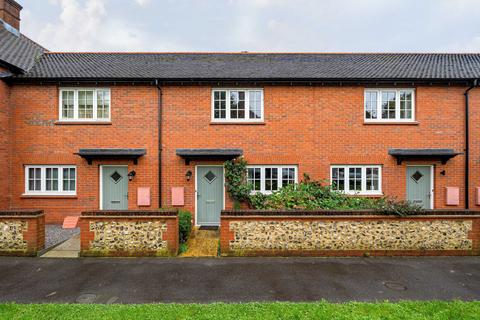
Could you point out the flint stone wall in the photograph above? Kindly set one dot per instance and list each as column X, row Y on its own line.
column 129, row 233
column 273, row 233
column 11, row 235
column 351, row 235
column 22, row 232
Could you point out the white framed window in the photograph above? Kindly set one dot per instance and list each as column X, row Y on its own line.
column 50, row 180
column 389, row 105
column 84, row 104
column 237, row 105
column 269, row 178
column 357, row 179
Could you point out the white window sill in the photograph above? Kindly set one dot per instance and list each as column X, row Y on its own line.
column 238, row 122
column 363, row 194
column 380, row 122
column 49, row 195
column 83, row 122
column 263, row 192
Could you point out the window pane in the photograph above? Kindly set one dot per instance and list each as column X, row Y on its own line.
column 51, row 179
column 103, row 104
column 406, row 105
column 68, row 179
column 237, row 104
column 372, row 178
column 355, row 179
column 271, row 179
column 67, row 104
column 255, row 100
column 253, row 178
column 338, row 179
column 371, row 105
column 388, row 104
column 85, row 104
column 35, row 179
column 219, row 105
column 288, row 176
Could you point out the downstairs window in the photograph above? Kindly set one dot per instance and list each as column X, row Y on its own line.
column 357, row 179
column 269, row 178
column 50, row 180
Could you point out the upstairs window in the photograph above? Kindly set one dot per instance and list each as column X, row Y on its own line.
column 50, row 180
column 237, row 105
column 357, row 179
column 269, row 178
column 81, row 104
column 389, row 105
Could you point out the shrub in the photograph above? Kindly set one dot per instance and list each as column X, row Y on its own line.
column 184, row 225
column 306, row 195
column 312, row 195
column 183, row 248
column 400, row 208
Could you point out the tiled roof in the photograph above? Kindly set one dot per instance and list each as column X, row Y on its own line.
column 258, row 66
column 17, row 50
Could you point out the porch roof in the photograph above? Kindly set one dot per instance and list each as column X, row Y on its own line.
column 91, row 154
column 208, row 154
column 441, row 154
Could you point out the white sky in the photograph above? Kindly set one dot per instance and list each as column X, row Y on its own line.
column 254, row 25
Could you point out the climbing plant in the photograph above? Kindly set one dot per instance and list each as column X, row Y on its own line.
column 236, row 180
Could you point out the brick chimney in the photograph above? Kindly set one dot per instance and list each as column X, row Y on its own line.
column 10, row 13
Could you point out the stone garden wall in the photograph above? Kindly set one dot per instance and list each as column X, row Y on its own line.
column 22, row 232
column 129, row 233
column 249, row 232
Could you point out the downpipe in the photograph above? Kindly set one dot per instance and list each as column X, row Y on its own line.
column 467, row 143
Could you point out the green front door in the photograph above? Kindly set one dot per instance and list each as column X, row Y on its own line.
column 114, row 188
column 209, row 195
column 419, row 186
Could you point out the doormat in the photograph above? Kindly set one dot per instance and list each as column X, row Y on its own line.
column 209, row 228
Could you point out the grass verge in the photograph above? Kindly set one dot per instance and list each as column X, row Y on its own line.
column 437, row 310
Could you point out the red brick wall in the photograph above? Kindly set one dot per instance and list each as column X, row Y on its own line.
column 39, row 140
column 5, row 135
column 316, row 127
column 312, row 127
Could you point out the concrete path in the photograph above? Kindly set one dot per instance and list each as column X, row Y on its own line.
column 146, row 280
column 68, row 249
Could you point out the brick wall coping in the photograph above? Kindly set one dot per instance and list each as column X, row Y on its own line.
column 130, row 213
column 329, row 213
column 20, row 213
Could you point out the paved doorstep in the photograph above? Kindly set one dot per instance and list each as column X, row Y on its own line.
column 147, row 280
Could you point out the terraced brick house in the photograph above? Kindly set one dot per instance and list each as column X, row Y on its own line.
column 82, row 131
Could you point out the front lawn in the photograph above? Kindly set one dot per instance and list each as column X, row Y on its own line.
column 322, row 310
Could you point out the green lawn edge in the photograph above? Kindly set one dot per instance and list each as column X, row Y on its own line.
column 437, row 310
